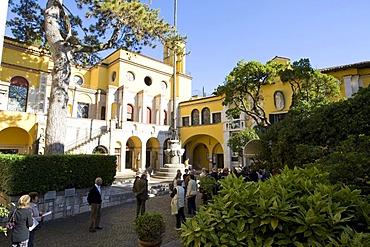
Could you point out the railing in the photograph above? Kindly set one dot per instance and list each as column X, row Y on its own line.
column 85, row 139
column 236, row 125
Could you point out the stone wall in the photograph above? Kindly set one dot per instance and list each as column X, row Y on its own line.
column 74, row 201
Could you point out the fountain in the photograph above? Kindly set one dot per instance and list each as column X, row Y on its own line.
column 175, row 152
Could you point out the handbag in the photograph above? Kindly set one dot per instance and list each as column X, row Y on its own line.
column 193, row 193
column 174, row 205
column 11, row 223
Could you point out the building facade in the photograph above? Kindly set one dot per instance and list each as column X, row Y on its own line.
column 121, row 106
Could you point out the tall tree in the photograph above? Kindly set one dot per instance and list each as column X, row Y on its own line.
column 310, row 87
column 113, row 24
column 238, row 141
column 26, row 24
column 242, row 89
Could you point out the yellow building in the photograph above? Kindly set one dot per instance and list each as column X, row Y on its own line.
column 202, row 131
column 121, row 106
column 205, row 129
column 350, row 76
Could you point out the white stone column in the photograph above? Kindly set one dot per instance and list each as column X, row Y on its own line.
column 354, row 83
column 160, row 157
column 123, row 157
column 4, row 90
column 347, row 86
column 124, row 105
column 143, row 158
column 351, row 85
column 110, row 100
column 162, row 108
column 74, row 103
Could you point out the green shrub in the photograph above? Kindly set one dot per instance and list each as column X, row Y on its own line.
column 150, row 227
column 53, row 172
column 295, row 208
column 208, row 185
column 351, row 168
column 4, row 211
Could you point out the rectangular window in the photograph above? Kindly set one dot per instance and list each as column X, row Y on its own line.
column 83, row 110
column 185, row 121
column 216, row 117
column 276, row 117
column 234, row 157
column 8, row 151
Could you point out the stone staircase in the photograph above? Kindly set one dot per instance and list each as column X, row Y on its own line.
column 74, row 146
column 168, row 172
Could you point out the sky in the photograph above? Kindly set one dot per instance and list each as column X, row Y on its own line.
column 221, row 33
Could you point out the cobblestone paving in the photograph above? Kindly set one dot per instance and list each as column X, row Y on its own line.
column 117, row 223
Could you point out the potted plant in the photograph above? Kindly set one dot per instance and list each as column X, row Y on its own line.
column 150, row 228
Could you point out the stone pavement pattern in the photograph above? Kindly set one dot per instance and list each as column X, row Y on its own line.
column 117, row 223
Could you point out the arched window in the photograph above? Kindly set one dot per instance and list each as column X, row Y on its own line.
column 206, row 116
column 148, row 115
column 18, row 92
column 195, row 117
column 130, row 112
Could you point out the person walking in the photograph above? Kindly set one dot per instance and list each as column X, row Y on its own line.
column 178, row 203
column 94, row 200
column 34, row 196
column 140, row 190
column 191, row 194
column 23, row 220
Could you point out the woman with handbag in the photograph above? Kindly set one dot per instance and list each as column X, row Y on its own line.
column 23, row 220
column 191, row 194
column 177, row 204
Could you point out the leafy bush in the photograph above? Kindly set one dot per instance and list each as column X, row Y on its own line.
column 4, row 211
column 351, row 168
column 53, row 172
column 150, row 227
column 208, row 186
column 305, row 135
column 295, row 208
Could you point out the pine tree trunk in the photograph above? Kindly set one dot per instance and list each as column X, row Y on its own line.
column 61, row 54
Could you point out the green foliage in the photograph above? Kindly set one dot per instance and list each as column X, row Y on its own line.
column 310, row 88
column 26, row 26
column 351, row 168
column 4, row 211
column 242, row 89
column 95, row 27
column 295, row 208
column 305, row 135
column 208, row 185
column 150, row 227
column 238, row 141
column 53, row 172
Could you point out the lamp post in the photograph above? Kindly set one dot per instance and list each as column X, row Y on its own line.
column 175, row 151
column 174, row 114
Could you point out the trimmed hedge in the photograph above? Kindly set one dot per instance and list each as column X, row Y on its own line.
column 21, row 174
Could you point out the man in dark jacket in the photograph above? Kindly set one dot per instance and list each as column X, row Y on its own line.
column 94, row 200
column 140, row 190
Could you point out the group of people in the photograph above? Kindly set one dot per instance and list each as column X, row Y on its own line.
column 185, row 188
column 248, row 174
column 26, row 218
